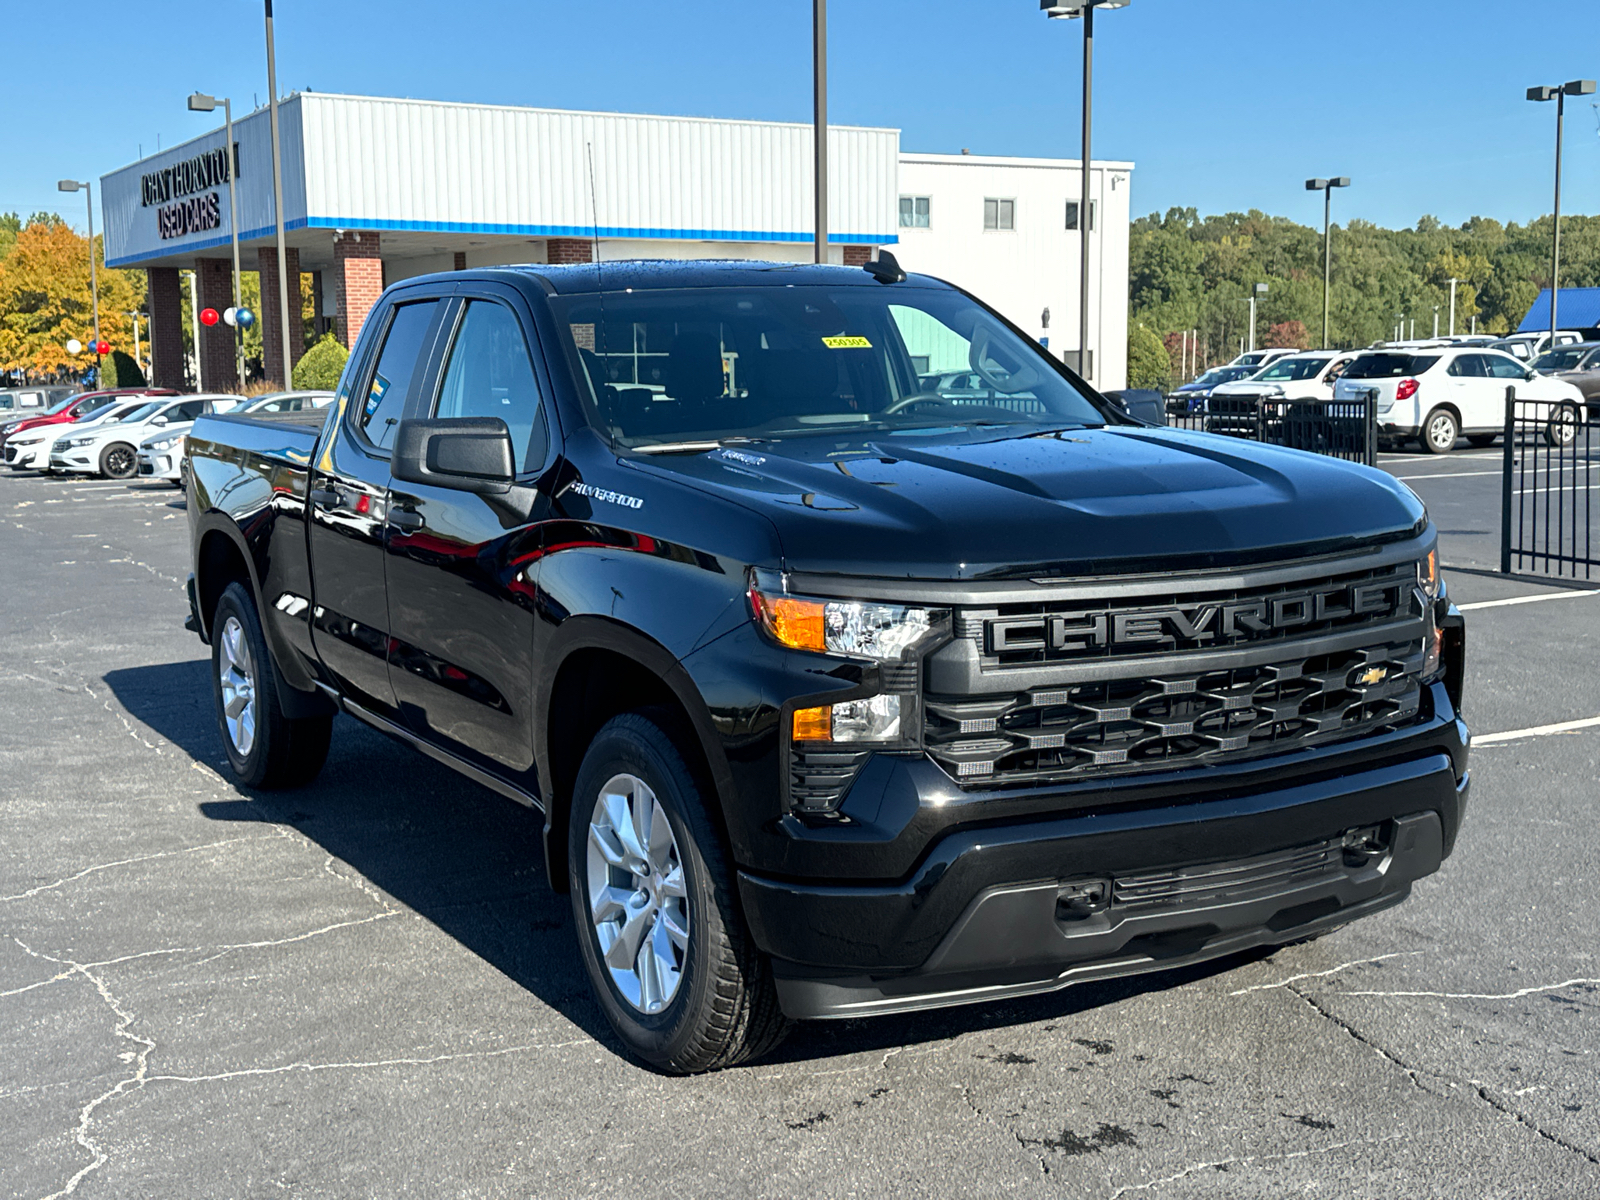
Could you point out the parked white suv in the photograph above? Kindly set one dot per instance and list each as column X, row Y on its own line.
column 1437, row 393
column 113, row 450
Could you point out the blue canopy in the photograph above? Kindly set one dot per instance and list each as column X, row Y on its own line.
column 1579, row 309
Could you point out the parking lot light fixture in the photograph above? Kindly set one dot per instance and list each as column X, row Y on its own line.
column 1559, row 93
column 1070, row 10
column 1259, row 290
column 200, row 102
column 1453, row 283
column 1326, row 186
column 72, row 185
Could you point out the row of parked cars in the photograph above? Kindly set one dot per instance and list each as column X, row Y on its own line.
column 127, row 433
column 1432, row 392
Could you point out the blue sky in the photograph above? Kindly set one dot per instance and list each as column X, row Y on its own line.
column 1226, row 105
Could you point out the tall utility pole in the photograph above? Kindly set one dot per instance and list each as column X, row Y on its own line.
column 1326, row 186
column 1071, row 9
column 1260, row 289
column 277, row 197
column 1453, row 283
column 72, row 185
column 1559, row 93
column 1435, row 320
column 819, row 108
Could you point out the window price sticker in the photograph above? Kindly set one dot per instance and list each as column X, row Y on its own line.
column 847, row 343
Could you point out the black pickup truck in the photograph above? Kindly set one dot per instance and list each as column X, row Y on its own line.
column 838, row 694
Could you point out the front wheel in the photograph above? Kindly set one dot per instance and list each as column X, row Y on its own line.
column 653, row 898
column 1440, row 431
column 118, row 461
column 1562, row 429
column 265, row 748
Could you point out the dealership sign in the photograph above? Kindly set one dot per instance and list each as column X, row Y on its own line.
column 198, row 213
column 189, row 216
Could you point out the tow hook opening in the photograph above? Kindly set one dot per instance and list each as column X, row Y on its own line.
column 1082, row 898
column 1365, row 844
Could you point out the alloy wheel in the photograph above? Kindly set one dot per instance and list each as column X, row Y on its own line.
column 237, row 672
column 1442, row 431
column 120, row 462
column 638, row 900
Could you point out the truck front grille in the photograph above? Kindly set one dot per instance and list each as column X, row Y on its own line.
column 1157, row 720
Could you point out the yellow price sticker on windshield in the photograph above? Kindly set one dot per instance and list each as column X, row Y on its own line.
column 847, row 343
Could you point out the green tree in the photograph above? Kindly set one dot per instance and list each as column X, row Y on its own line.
column 321, row 365
column 1149, row 364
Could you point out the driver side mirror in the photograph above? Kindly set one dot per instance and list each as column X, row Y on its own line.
column 466, row 454
column 159, row 420
column 1530, row 373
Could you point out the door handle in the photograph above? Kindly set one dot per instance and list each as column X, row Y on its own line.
column 405, row 518
column 325, row 498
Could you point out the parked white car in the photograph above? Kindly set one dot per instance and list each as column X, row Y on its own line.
column 1262, row 358
column 288, row 402
column 113, row 450
column 1308, row 375
column 1438, row 393
column 30, row 449
column 1529, row 346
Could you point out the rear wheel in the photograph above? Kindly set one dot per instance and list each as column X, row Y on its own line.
column 118, row 461
column 657, row 918
column 265, row 748
column 1440, row 431
column 1482, row 439
column 1562, row 429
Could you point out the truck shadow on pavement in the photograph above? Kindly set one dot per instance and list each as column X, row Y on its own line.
column 472, row 863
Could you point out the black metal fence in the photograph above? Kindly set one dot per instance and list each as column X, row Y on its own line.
column 1552, row 458
column 1344, row 429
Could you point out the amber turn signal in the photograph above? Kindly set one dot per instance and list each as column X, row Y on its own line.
column 812, row 724
column 797, row 624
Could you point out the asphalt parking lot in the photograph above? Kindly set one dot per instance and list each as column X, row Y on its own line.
column 365, row 988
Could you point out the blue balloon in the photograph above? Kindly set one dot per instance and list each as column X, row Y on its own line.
column 244, row 318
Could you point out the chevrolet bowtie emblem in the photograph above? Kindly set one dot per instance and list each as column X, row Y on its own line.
column 1372, row 675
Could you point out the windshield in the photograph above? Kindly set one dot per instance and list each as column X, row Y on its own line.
column 110, row 415
column 1250, row 360
column 144, row 412
column 1560, row 360
column 1389, row 366
column 704, row 364
column 1293, row 369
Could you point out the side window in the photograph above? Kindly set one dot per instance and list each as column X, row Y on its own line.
column 490, row 375
column 1458, row 366
column 385, row 401
column 188, row 410
column 1501, row 367
column 1338, row 369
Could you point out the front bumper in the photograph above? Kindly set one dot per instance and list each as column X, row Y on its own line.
column 75, row 459
column 160, row 464
column 27, row 458
column 982, row 916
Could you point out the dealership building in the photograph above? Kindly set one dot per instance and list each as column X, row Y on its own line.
column 377, row 190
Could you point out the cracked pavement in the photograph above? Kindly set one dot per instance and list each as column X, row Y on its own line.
column 366, row 988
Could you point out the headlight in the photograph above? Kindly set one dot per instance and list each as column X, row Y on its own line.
column 163, row 444
column 849, row 627
column 875, row 719
column 81, row 441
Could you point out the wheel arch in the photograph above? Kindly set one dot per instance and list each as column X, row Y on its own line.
column 598, row 669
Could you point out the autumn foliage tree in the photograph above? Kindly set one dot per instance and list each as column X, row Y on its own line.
column 45, row 299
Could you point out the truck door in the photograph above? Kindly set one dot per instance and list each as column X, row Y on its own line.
column 349, row 490
column 461, row 566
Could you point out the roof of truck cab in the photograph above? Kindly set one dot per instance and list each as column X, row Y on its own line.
column 655, row 274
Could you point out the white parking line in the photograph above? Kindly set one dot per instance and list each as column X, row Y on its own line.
column 1490, row 739
column 1463, row 474
column 1526, row 599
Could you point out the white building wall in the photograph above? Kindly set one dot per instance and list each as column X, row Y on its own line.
column 1035, row 266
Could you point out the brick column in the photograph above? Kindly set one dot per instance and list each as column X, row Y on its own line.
column 359, row 279
column 218, row 370
column 166, row 328
column 271, row 308
column 858, row 256
column 569, row 250
column 461, row 260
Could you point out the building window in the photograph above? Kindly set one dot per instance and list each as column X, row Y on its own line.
column 913, row 212
column 1000, row 214
column 1072, row 214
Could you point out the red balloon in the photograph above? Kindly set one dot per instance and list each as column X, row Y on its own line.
column 209, row 316
column 102, row 347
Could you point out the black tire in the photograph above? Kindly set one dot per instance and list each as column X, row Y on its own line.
column 1482, row 439
column 282, row 752
column 119, row 461
column 1562, row 428
column 725, row 1007
column 1439, row 431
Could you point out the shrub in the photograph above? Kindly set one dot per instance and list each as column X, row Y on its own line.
column 1149, row 364
column 321, row 366
column 118, row 370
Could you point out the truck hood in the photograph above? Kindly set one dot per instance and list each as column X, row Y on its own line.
column 974, row 504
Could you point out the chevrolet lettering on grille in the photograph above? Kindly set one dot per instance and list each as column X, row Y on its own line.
column 1193, row 626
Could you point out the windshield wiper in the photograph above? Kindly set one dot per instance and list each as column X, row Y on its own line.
column 695, row 447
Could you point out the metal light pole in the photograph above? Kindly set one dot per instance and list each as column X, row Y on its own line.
column 138, row 356
column 819, row 86
column 277, row 196
column 1260, row 289
column 1070, row 9
column 72, row 185
column 1559, row 93
column 1326, row 186
column 200, row 102
column 1453, row 283
column 1436, row 320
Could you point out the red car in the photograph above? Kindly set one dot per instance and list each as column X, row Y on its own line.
column 76, row 407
